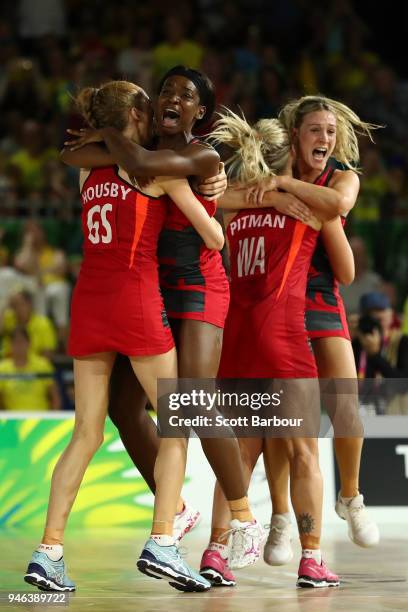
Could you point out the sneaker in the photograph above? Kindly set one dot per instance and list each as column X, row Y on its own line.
column 246, row 542
column 215, row 569
column 48, row 575
column 165, row 562
column 278, row 549
column 361, row 528
column 185, row 522
column 313, row 575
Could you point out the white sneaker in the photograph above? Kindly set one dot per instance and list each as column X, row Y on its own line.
column 185, row 522
column 246, row 543
column 278, row 549
column 361, row 528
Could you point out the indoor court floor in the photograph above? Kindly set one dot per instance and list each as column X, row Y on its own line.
column 102, row 563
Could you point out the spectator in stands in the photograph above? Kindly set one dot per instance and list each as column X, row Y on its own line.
column 135, row 63
column 374, row 186
column 48, row 265
column 176, row 49
column 27, row 379
column 381, row 350
column 384, row 349
column 41, row 332
column 29, row 162
column 365, row 279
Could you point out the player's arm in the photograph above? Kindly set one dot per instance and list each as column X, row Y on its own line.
column 338, row 251
column 235, row 198
column 180, row 192
column 325, row 202
column 194, row 160
column 88, row 156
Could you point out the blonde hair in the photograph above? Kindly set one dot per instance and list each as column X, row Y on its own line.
column 258, row 151
column 109, row 105
column 348, row 125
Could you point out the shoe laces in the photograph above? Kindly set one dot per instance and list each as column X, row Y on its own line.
column 241, row 535
column 277, row 534
column 358, row 515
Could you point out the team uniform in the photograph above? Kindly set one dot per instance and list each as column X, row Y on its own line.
column 265, row 335
column 116, row 304
column 325, row 312
column 192, row 277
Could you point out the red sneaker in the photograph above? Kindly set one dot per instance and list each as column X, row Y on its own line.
column 311, row 574
column 214, row 568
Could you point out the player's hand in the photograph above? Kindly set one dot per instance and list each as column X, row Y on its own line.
column 214, row 187
column 254, row 195
column 82, row 138
column 290, row 205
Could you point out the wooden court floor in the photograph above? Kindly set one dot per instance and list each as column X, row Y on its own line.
column 102, row 563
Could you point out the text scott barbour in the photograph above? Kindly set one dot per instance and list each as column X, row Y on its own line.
column 242, row 421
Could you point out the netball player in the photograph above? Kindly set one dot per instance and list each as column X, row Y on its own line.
column 265, row 336
column 193, row 281
column 117, row 307
column 315, row 123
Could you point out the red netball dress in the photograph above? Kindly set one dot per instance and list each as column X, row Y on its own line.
column 116, row 304
column 325, row 312
column 265, row 335
column 192, row 277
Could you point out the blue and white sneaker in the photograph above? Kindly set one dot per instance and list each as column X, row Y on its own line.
column 48, row 575
column 166, row 562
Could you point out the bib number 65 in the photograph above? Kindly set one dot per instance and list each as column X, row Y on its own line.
column 99, row 228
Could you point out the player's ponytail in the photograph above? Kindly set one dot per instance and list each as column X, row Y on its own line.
column 110, row 104
column 86, row 101
column 348, row 125
column 256, row 152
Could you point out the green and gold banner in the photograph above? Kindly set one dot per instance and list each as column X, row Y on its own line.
column 110, row 493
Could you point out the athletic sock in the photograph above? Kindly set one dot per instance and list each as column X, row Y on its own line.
column 240, row 510
column 346, row 500
column 163, row 540
column 53, row 551
column 316, row 554
column 220, row 548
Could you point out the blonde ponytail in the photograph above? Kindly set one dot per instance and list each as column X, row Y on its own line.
column 257, row 152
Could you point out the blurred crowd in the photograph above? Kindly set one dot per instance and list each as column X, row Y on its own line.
column 258, row 53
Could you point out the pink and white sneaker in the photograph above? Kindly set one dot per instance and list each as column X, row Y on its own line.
column 184, row 522
column 311, row 574
column 215, row 568
column 246, row 543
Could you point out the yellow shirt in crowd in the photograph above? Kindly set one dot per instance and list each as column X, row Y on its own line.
column 28, row 392
column 40, row 331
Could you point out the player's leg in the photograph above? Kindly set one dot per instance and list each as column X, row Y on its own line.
column 214, row 562
column 160, row 556
column 278, row 548
column 91, row 378
column 127, row 410
column 306, row 489
column 138, row 432
column 199, row 347
column 335, row 360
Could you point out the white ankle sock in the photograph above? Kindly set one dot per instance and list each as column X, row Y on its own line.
column 221, row 548
column 313, row 554
column 163, row 540
column 53, row 551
